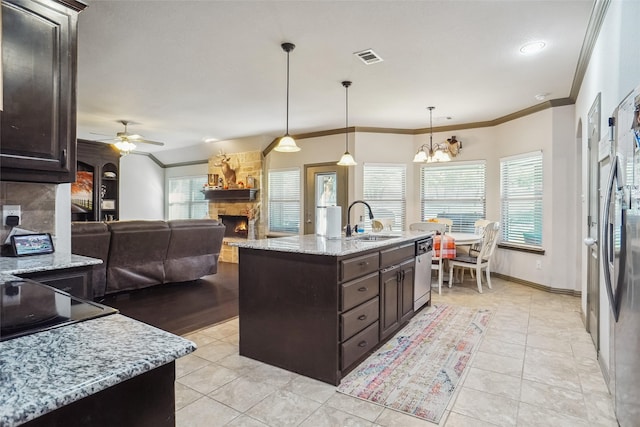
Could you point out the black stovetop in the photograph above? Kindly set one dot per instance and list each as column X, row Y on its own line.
column 27, row 307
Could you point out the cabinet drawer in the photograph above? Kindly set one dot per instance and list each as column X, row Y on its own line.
column 76, row 282
column 359, row 266
column 396, row 255
column 359, row 291
column 355, row 320
column 359, row 345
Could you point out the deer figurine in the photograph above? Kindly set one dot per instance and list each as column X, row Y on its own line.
column 228, row 173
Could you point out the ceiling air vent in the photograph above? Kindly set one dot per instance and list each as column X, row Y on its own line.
column 368, row 56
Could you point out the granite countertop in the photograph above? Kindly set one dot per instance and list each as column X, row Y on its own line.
column 47, row 370
column 37, row 263
column 317, row 245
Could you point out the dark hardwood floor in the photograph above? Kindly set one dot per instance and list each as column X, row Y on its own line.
column 184, row 307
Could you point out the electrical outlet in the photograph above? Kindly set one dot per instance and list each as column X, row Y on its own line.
column 8, row 210
column 538, row 265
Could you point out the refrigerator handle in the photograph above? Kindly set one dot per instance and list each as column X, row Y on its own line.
column 606, row 237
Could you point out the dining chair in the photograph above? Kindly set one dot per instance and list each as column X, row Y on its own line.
column 483, row 260
column 446, row 221
column 436, row 261
column 474, row 249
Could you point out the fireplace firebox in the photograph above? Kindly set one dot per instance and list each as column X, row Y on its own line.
column 236, row 225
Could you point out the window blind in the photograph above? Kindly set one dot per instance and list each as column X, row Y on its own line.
column 384, row 188
column 456, row 191
column 521, row 199
column 284, row 200
column 186, row 200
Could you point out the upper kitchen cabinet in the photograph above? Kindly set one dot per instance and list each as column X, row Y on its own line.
column 39, row 61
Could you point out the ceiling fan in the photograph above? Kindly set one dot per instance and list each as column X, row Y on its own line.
column 126, row 142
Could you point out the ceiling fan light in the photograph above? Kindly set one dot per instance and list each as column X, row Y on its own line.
column 125, row 146
column 287, row 145
column 347, row 160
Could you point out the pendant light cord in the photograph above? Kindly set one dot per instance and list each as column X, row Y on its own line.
column 287, row 132
column 346, row 85
column 431, row 151
column 346, row 121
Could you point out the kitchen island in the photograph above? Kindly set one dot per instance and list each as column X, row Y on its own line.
column 106, row 371
column 318, row 306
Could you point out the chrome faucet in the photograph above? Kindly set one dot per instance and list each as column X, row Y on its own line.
column 348, row 230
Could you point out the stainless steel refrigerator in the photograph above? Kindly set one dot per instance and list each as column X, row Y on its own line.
column 621, row 258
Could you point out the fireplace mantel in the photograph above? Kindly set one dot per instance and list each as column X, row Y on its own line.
column 239, row 194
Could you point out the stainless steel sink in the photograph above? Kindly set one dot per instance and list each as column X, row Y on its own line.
column 374, row 237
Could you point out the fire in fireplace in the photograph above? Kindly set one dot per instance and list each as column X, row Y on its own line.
column 236, row 225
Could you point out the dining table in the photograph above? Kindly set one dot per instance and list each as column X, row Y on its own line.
column 444, row 245
column 463, row 239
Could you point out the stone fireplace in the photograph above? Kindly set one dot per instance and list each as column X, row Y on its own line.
column 241, row 216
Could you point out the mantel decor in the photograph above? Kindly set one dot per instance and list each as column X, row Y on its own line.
column 240, row 194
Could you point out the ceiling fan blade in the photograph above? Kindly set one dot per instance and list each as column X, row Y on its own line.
column 135, row 136
column 146, row 141
column 101, row 134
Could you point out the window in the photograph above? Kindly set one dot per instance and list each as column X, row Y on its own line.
column 455, row 191
column 186, row 199
column 384, row 188
column 284, row 200
column 521, row 199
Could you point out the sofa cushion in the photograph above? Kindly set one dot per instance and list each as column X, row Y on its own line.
column 136, row 254
column 92, row 239
column 194, row 249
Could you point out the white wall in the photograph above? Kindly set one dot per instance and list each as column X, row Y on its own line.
column 540, row 131
column 613, row 71
column 63, row 218
column 141, row 188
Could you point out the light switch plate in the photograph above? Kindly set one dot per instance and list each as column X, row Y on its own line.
column 8, row 210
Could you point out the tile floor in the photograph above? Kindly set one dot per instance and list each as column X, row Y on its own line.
column 536, row 366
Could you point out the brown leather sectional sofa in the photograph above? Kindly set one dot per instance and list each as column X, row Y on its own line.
column 139, row 254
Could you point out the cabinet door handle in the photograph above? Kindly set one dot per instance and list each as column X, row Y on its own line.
column 362, row 317
column 362, row 289
column 363, row 263
column 63, row 159
column 362, row 344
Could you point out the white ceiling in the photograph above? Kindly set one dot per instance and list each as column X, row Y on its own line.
column 188, row 70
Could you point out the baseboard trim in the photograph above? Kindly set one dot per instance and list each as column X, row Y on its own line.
column 605, row 373
column 545, row 288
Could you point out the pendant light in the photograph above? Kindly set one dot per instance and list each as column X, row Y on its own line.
column 435, row 154
column 287, row 144
column 347, row 158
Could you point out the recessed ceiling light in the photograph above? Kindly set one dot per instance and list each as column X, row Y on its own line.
column 542, row 96
column 532, row 47
column 208, row 140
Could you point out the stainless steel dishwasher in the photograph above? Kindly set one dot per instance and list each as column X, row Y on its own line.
column 422, row 285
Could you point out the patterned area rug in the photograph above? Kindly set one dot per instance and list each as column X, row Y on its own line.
column 417, row 370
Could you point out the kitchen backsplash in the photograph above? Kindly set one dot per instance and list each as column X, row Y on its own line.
column 37, row 206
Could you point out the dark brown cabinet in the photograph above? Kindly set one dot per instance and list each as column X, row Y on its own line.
column 76, row 280
column 396, row 288
column 39, row 60
column 94, row 194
